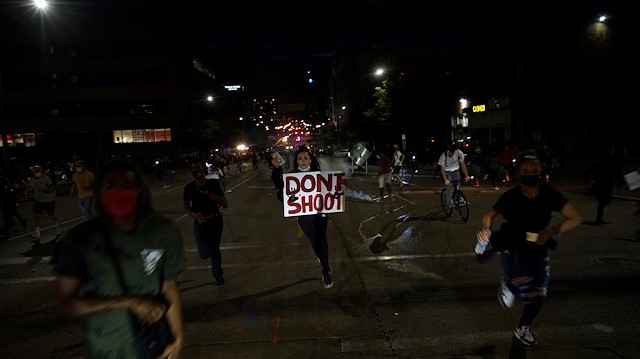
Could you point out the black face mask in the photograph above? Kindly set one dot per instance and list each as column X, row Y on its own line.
column 196, row 174
column 530, row 181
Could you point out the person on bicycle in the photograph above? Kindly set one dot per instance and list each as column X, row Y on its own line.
column 398, row 158
column 450, row 162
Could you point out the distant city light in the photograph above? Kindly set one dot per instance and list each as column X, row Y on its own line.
column 40, row 3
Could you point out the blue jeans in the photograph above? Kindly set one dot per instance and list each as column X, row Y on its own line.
column 315, row 228
column 85, row 206
column 453, row 176
column 208, row 236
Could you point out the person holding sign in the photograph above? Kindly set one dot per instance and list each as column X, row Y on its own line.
column 314, row 225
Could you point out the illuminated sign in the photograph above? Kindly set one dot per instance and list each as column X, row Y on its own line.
column 234, row 87
column 479, row 108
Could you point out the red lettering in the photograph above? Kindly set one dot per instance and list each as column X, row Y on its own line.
column 296, row 207
column 308, row 183
column 328, row 201
column 317, row 202
column 327, row 182
column 307, row 203
column 291, row 186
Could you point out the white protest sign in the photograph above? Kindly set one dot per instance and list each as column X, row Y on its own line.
column 633, row 180
column 312, row 192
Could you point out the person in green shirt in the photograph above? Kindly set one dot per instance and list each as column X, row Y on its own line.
column 150, row 254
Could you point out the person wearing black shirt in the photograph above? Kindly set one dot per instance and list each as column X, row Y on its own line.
column 525, row 238
column 202, row 201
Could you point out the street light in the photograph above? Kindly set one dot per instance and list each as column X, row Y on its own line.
column 379, row 72
column 41, row 4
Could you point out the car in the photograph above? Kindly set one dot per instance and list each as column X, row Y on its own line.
column 344, row 153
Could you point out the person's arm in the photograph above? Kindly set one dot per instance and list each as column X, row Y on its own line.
column 441, row 163
column 464, row 170
column 172, row 296
column 74, row 187
column 187, row 208
column 70, row 304
column 221, row 200
column 487, row 219
column 571, row 220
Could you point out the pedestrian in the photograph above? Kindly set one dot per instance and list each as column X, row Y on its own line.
column 451, row 162
column 314, row 226
column 9, row 199
column 82, row 184
column 119, row 270
column 602, row 174
column 525, row 238
column 398, row 158
column 202, row 200
column 506, row 159
column 492, row 167
column 44, row 201
column 384, row 173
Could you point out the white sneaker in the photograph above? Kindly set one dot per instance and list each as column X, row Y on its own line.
column 505, row 297
column 496, row 188
column 523, row 334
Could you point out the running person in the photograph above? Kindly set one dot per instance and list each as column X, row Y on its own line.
column 525, row 240
column 314, row 226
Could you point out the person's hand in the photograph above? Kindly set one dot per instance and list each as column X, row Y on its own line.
column 275, row 163
column 147, row 309
column 173, row 350
column 446, row 181
column 466, row 179
column 544, row 236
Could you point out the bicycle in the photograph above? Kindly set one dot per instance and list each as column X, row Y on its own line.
column 405, row 175
column 460, row 202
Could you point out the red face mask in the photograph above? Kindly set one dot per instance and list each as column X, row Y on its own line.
column 119, row 203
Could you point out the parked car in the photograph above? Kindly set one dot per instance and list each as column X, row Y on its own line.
column 341, row 153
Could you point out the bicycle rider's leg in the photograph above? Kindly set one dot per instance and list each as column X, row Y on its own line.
column 453, row 176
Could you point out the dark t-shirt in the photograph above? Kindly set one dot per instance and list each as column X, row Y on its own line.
column 522, row 214
column 200, row 202
column 148, row 255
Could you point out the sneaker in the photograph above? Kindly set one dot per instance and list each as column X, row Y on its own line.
column 505, row 297
column 523, row 334
column 220, row 281
column 326, row 280
column 496, row 188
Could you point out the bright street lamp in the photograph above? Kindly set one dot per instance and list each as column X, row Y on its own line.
column 41, row 4
column 379, row 72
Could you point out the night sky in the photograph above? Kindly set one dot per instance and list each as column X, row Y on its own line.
column 269, row 45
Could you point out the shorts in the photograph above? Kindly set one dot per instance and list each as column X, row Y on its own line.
column 384, row 179
column 44, row 207
column 396, row 169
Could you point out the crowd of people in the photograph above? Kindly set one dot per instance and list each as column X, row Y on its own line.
column 123, row 234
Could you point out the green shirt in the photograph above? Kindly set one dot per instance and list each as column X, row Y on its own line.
column 148, row 255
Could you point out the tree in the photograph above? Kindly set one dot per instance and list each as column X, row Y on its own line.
column 378, row 119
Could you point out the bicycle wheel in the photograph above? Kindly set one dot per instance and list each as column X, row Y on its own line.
column 462, row 205
column 443, row 200
column 406, row 176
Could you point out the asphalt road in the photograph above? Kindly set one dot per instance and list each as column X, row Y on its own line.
column 407, row 283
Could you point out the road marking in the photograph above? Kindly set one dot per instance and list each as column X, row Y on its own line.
column 253, row 263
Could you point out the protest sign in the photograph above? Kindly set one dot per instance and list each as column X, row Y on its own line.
column 312, row 192
column 633, row 180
